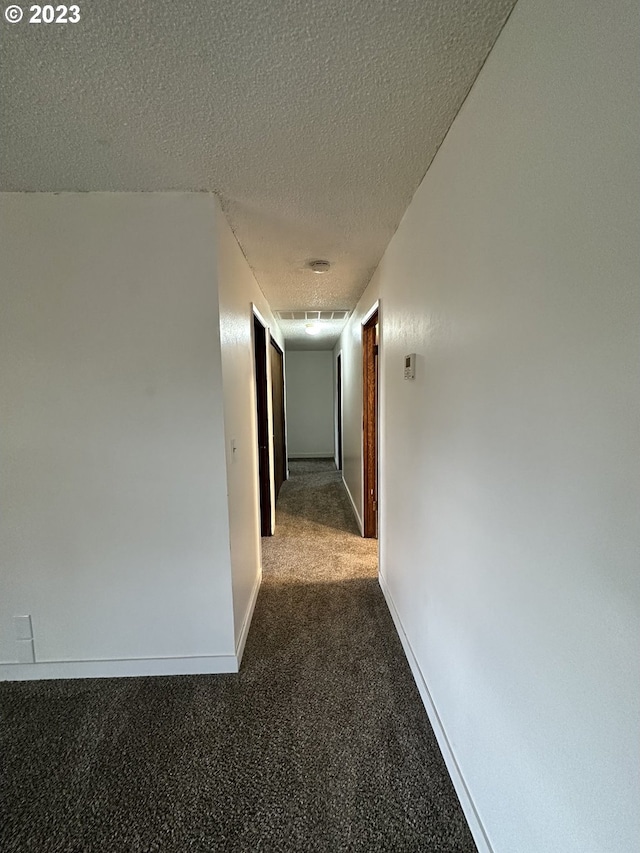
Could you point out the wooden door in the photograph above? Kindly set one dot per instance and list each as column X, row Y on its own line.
column 277, row 398
column 370, row 425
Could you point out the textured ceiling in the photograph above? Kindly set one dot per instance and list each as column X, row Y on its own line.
column 313, row 121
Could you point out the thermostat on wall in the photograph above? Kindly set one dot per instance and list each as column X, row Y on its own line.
column 410, row 366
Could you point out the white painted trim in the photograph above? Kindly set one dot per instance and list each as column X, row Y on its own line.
column 270, row 432
column 127, row 667
column 353, row 506
column 244, row 633
column 466, row 801
column 375, row 307
column 272, row 482
column 338, row 406
column 366, row 317
column 259, row 315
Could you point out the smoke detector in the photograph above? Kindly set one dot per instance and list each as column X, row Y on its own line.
column 319, row 266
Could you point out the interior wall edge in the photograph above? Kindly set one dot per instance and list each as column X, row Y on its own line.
column 246, row 624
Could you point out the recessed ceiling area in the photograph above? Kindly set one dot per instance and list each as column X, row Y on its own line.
column 313, row 122
column 312, row 330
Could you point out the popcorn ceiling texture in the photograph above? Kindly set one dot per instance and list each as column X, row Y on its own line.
column 313, row 121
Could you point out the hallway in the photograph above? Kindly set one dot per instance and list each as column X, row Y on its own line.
column 468, row 170
column 364, row 771
column 320, row 743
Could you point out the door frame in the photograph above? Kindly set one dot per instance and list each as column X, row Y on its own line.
column 370, row 421
column 285, row 472
column 339, row 460
column 261, row 368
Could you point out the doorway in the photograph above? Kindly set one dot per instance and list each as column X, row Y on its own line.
column 339, row 411
column 370, row 345
column 277, row 407
column 262, row 411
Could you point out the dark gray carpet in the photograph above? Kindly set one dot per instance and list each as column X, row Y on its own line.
column 319, row 744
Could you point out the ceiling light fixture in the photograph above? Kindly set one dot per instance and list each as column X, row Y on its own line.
column 312, row 329
column 319, row 266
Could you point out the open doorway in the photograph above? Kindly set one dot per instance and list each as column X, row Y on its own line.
column 277, row 408
column 370, row 345
column 262, row 411
column 339, row 412
column 270, row 412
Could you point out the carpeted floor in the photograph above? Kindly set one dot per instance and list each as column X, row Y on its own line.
column 320, row 743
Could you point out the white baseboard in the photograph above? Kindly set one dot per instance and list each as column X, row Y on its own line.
column 353, row 506
column 468, row 807
column 242, row 639
column 196, row 665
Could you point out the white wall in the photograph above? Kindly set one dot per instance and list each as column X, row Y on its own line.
column 112, row 479
column 310, row 398
column 509, row 496
column 239, row 292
